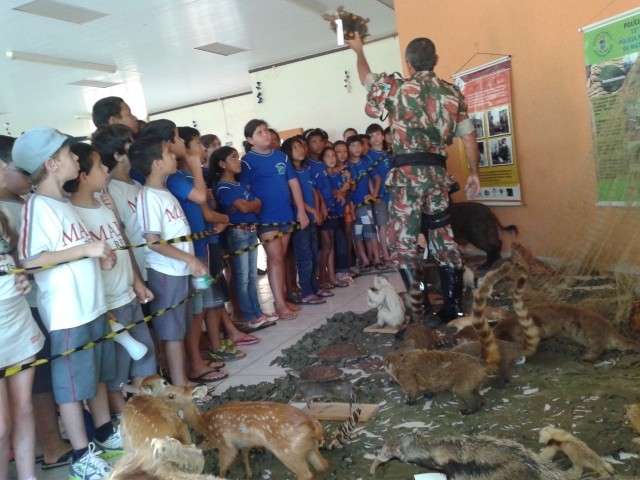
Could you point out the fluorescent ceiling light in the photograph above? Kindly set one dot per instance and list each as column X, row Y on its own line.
column 60, row 11
column 221, row 49
column 314, row 6
column 61, row 62
column 94, row 83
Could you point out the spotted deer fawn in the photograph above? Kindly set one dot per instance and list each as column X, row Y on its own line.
column 156, row 439
column 293, row 436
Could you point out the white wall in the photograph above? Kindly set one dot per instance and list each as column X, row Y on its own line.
column 210, row 118
column 303, row 94
column 311, row 93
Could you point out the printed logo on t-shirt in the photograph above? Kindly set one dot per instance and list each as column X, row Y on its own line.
column 74, row 234
column 133, row 205
column 281, row 168
column 174, row 213
column 110, row 233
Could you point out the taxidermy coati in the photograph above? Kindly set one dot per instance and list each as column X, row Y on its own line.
column 476, row 224
column 505, row 353
column 423, row 371
column 469, row 457
column 587, row 328
column 433, row 371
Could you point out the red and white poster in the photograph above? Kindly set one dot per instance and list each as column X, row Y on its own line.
column 487, row 91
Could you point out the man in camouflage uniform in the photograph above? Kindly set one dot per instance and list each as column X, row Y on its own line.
column 425, row 115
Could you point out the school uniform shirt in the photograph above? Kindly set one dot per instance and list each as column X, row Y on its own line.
column 382, row 167
column 125, row 198
column 71, row 294
column 317, row 168
column 307, row 184
column 226, row 194
column 336, row 181
column 118, row 282
column 7, row 282
column 326, row 190
column 180, row 185
column 360, row 170
column 267, row 176
column 160, row 213
column 13, row 212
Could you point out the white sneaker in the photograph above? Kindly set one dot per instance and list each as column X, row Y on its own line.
column 112, row 446
column 90, row 466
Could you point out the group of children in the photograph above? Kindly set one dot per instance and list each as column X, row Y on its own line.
column 74, row 214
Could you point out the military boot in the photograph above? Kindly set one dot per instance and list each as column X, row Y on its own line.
column 452, row 290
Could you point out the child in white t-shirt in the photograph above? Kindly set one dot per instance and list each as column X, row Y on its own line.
column 168, row 265
column 124, row 290
column 112, row 143
column 70, row 296
column 20, row 340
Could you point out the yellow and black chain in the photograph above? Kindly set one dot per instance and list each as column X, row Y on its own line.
column 15, row 369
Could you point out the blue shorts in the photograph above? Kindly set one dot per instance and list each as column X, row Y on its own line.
column 363, row 226
column 215, row 296
column 283, row 227
column 126, row 368
column 169, row 290
column 75, row 377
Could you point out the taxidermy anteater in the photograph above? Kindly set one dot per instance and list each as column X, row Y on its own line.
column 476, row 224
column 469, row 457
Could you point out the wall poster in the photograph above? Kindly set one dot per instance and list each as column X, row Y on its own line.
column 487, row 90
column 613, row 85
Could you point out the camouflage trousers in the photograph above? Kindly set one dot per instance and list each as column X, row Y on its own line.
column 416, row 190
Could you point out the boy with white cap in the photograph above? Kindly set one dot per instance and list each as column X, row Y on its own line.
column 70, row 296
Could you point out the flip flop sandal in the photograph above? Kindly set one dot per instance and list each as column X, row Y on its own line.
column 325, row 294
column 341, row 284
column 294, row 298
column 205, row 377
column 63, row 460
column 247, row 341
column 247, row 327
column 287, row 316
column 227, row 356
column 216, row 365
column 313, row 300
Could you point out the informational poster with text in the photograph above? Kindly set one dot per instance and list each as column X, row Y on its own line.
column 487, row 91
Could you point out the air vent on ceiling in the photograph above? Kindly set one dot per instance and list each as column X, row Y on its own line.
column 388, row 3
column 221, row 49
column 60, row 11
column 94, row 83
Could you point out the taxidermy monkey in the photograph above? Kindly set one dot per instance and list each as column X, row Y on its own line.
column 385, row 299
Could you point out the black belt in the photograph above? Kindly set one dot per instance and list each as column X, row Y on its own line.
column 420, row 158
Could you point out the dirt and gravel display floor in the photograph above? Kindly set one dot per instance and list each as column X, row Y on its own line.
column 553, row 387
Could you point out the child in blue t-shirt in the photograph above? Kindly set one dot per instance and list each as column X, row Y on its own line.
column 381, row 162
column 305, row 240
column 333, row 251
column 364, row 229
column 242, row 207
column 271, row 178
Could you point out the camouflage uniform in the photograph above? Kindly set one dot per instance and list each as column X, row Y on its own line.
column 425, row 114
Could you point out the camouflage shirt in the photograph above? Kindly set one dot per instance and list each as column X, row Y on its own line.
column 425, row 112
